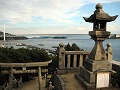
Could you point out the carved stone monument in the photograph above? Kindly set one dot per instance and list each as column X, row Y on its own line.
column 97, row 59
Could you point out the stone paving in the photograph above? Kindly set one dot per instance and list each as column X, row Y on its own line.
column 70, row 84
column 33, row 85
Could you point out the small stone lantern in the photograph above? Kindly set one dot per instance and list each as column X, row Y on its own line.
column 97, row 59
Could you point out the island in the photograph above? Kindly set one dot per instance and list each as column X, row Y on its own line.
column 59, row 37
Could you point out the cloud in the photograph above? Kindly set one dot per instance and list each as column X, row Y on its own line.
column 83, row 29
column 24, row 10
column 103, row 1
column 58, row 10
column 113, row 28
column 62, row 11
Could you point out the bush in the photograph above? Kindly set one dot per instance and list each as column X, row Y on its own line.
column 74, row 47
column 23, row 55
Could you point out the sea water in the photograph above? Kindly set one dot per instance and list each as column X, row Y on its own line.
column 83, row 41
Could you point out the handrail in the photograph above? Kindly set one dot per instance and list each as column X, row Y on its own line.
column 77, row 52
column 115, row 62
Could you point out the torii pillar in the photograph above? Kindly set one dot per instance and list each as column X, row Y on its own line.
column 97, row 60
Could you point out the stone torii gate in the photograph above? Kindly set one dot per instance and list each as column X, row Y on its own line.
column 24, row 65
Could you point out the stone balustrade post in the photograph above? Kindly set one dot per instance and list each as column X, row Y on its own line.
column 81, row 61
column 61, row 56
column 109, row 52
column 75, row 61
column 68, row 61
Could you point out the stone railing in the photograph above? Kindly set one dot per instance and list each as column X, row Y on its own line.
column 115, row 65
column 58, row 83
column 75, row 59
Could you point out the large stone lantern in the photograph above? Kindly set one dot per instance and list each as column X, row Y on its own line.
column 99, row 33
column 97, row 59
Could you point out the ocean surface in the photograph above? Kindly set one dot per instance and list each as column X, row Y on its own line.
column 83, row 41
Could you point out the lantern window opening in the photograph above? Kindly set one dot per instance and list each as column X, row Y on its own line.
column 102, row 25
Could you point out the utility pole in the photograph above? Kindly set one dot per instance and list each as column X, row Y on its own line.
column 4, row 33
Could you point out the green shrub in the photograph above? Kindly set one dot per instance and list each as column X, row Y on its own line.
column 74, row 47
column 22, row 55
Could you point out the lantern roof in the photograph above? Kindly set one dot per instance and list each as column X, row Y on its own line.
column 100, row 15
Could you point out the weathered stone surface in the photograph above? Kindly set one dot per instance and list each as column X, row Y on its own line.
column 32, row 64
column 97, row 59
column 88, row 75
column 61, row 56
column 93, row 65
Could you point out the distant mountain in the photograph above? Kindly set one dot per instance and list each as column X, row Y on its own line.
column 9, row 36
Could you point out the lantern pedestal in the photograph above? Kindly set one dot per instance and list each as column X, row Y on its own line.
column 96, row 60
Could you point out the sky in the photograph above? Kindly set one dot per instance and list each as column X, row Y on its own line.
column 54, row 16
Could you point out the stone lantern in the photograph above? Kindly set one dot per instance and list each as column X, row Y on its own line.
column 97, row 59
column 99, row 33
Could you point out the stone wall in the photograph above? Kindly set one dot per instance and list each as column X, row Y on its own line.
column 58, row 83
